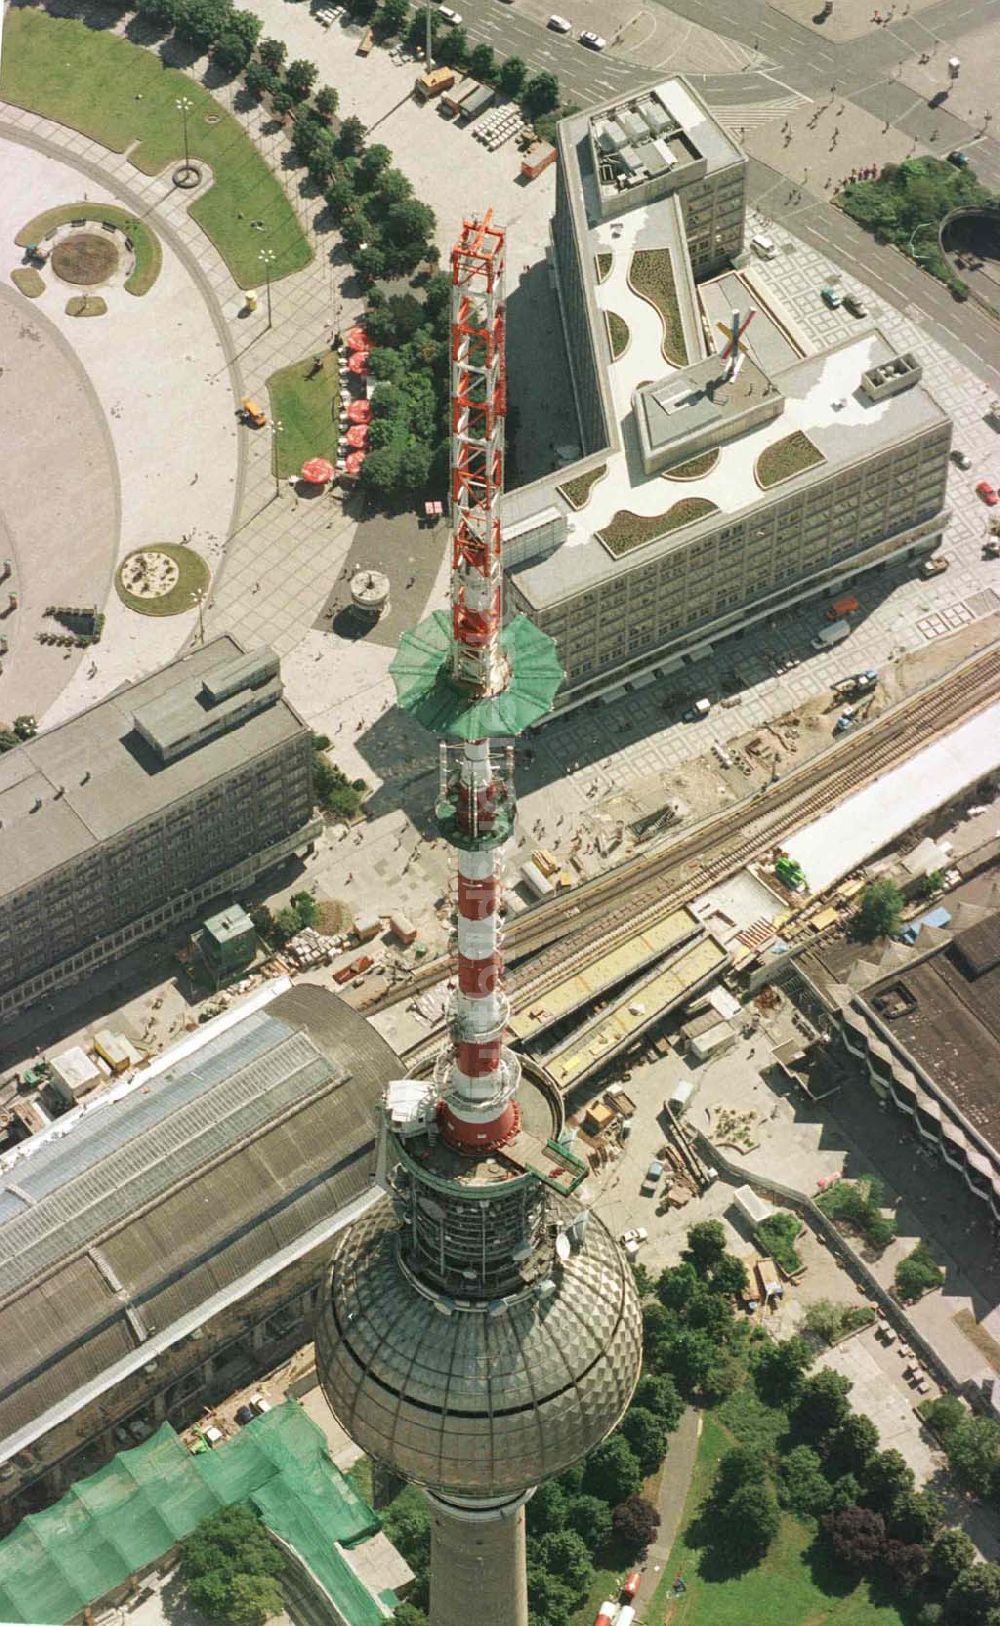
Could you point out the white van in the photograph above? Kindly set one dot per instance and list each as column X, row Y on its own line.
column 766, row 247
column 835, row 633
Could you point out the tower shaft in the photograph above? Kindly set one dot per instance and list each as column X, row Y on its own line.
column 478, row 1566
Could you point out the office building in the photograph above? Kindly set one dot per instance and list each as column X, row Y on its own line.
column 169, row 793
column 726, row 470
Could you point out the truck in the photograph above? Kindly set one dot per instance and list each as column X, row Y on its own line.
column 428, row 85
column 829, row 636
column 848, row 605
column 859, row 683
column 477, row 103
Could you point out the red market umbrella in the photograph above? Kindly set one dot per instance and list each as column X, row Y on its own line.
column 358, row 436
column 358, row 363
column 353, row 462
column 317, row 471
column 357, row 339
column 359, row 412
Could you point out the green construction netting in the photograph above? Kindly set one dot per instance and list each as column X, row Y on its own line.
column 421, row 671
column 134, row 1510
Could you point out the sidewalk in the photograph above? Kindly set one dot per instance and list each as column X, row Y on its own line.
column 674, row 1487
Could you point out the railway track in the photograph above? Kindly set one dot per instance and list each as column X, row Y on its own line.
column 560, row 935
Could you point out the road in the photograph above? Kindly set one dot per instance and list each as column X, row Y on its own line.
column 785, row 61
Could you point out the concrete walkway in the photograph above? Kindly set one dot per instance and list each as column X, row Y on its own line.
column 674, row 1487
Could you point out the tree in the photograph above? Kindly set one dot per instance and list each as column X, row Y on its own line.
column 885, row 1479
column 409, row 222
column 802, row 1484
column 273, row 53
column 453, row 47
column 541, row 95
column 339, row 198
column 750, row 1519
column 647, row 1436
column 407, row 1524
column 778, row 1368
column 879, row 911
column 692, row 1355
column 824, row 1320
column 706, row 1246
column 300, row 76
column 635, row 1523
column 944, row 1415
column 282, row 102
column 856, row 1537
column 393, row 16
column 917, row 1274
column 564, row 1554
column 951, row 1553
column 305, row 907
column 612, row 1471
column 591, row 1519
column 163, row 12
column 482, row 62
column 547, row 1508
column 973, row 1452
column 259, row 80
column 253, row 1599
column 677, row 1285
column 916, row 1516
column 512, row 75
column 905, row 1563
column 374, row 160
column 352, row 137
column 232, row 51
column 326, row 101
column 201, row 22
column 407, row 1614
column 657, row 1392
column 729, row 1277
column 740, row 1465
column 851, row 1445
column 822, row 1403
column 973, row 1598
column 552, row 1601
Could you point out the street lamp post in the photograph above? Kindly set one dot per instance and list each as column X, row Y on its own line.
column 276, row 428
column 184, row 106
column 200, row 598
column 267, row 258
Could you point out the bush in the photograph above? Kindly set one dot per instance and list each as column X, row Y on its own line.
column 917, row 1274
column 830, row 1322
column 635, row 1523
column 859, row 1203
column 776, row 1236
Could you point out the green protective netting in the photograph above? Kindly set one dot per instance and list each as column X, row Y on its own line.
column 141, row 1504
column 421, row 671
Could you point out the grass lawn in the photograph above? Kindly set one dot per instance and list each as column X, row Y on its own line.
column 781, row 1591
column 627, row 530
column 694, row 468
column 578, row 491
column 604, row 262
column 148, row 254
column 305, row 409
column 966, row 1321
column 651, row 276
column 785, row 458
column 29, row 281
column 193, row 579
column 618, row 334
column 118, row 93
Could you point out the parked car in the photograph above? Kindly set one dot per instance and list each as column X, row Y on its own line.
column 450, row 16
column 652, row 1176
column 559, row 25
column 592, row 41
column 959, row 158
column 855, row 305
column 986, row 491
column 831, row 296
column 936, row 565
column 961, row 460
column 846, row 720
column 632, row 1240
column 245, row 1414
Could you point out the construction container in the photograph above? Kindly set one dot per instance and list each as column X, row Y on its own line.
column 536, row 158
column 477, row 103
column 403, row 929
column 453, row 99
column 598, row 1118
column 366, row 927
column 753, row 1208
column 113, row 1049
column 74, row 1074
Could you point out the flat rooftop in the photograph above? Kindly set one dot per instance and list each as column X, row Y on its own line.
column 95, row 776
column 823, row 401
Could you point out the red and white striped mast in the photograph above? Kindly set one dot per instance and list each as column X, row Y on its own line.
column 477, row 1075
